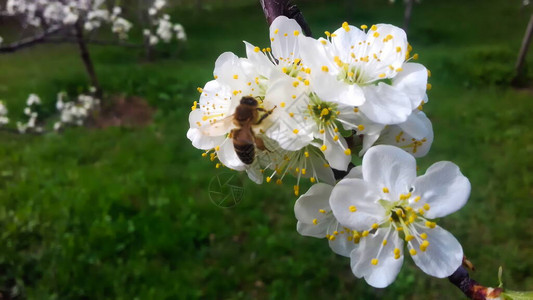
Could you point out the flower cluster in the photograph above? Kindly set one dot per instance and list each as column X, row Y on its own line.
column 302, row 105
column 311, row 95
column 48, row 14
column 30, row 110
column 382, row 205
column 163, row 29
column 74, row 112
column 3, row 114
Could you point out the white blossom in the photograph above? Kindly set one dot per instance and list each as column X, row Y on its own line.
column 390, row 205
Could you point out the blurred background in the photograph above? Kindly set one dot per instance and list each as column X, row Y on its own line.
column 123, row 212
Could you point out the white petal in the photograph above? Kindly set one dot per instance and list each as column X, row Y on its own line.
column 389, row 167
column 412, row 81
column 229, row 70
column 443, row 187
column 307, row 209
column 385, row 104
column 254, row 172
column 343, row 41
column 387, row 268
column 342, row 244
column 353, row 204
column 319, row 167
column 443, row 255
column 316, row 54
column 355, row 172
column 416, row 125
column 334, row 153
column 401, row 135
column 260, row 61
column 388, row 54
column 228, row 157
column 202, row 141
column 284, row 39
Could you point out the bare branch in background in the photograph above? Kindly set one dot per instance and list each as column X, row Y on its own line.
column 30, row 41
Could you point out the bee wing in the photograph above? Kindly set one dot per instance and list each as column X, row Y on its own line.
column 219, row 127
column 243, row 135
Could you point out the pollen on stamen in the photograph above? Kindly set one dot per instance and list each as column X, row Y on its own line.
column 199, row 89
column 412, row 252
column 324, row 148
column 431, row 224
column 426, row 206
column 336, row 138
column 417, row 198
column 235, row 76
column 364, row 27
column 382, row 75
column 424, row 246
column 385, row 190
column 315, row 221
column 374, row 261
column 279, row 181
column 322, row 211
column 325, row 68
column 256, row 49
column 282, row 104
column 348, row 152
column 295, row 131
column 424, row 235
column 415, row 56
column 409, row 237
column 365, row 233
column 296, row 32
column 375, row 226
column 306, row 154
column 360, row 127
column 385, row 242
column 352, row 208
column 428, row 86
column 376, row 34
column 398, row 49
column 312, row 179
column 374, row 28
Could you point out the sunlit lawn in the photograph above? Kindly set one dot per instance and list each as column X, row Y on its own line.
column 124, row 213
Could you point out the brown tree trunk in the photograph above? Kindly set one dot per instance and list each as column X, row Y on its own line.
column 407, row 14
column 520, row 70
column 86, row 58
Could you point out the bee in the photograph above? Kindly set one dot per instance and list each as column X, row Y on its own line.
column 247, row 114
column 244, row 140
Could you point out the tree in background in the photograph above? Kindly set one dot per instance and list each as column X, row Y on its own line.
column 77, row 21
column 520, row 66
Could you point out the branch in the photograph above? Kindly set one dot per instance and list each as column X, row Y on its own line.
column 276, row 8
column 94, row 42
column 29, row 41
column 471, row 288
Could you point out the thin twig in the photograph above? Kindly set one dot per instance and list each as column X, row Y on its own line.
column 30, row 41
column 471, row 288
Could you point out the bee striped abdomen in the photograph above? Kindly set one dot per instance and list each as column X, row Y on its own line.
column 245, row 152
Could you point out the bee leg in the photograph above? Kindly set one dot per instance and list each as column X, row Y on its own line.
column 266, row 114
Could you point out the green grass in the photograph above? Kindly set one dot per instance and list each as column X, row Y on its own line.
column 124, row 213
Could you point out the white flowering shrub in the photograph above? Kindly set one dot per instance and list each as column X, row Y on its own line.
column 4, row 119
column 160, row 27
column 302, row 105
column 31, row 125
column 75, row 21
column 74, row 113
